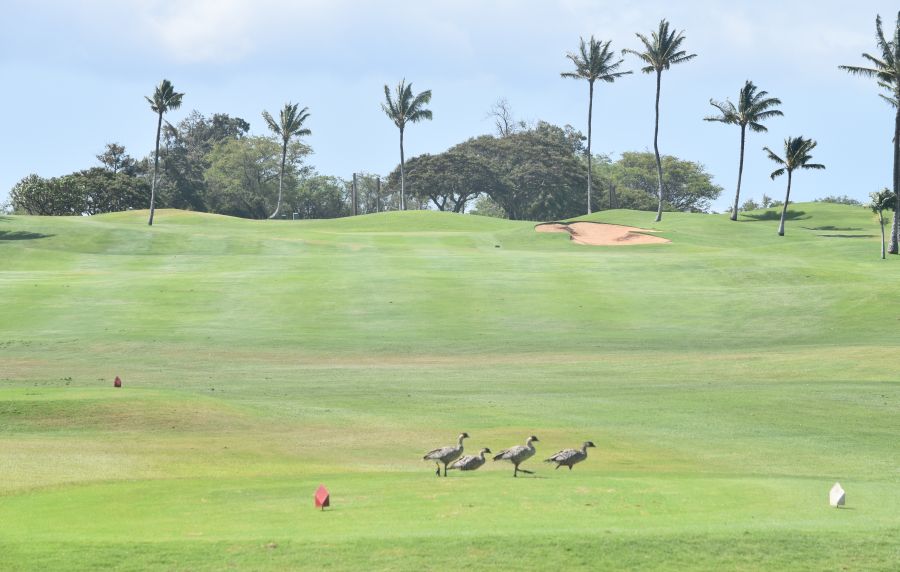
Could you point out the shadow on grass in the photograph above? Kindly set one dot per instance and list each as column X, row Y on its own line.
column 776, row 215
column 21, row 235
column 830, row 227
column 848, row 235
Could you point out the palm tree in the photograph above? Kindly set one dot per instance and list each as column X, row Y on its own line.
column 164, row 99
column 881, row 200
column 886, row 70
column 660, row 54
column 796, row 156
column 593, row 62
column 752, row 109
column 289, row 124
column 405, row 108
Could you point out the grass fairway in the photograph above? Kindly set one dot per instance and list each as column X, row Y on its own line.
column 728, row 379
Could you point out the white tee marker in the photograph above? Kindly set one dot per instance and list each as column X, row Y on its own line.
column 837, row 496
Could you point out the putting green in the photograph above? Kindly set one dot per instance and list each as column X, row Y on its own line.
column 728, row 378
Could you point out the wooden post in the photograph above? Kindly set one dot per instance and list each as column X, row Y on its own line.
column 378, row 193
column 353, row 196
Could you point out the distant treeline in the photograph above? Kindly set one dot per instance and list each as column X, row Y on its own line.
column 213, row 164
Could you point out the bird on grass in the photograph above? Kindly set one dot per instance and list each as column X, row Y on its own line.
column 446, row 454
column 518, row 455
column 470, row 462
column 570, row 457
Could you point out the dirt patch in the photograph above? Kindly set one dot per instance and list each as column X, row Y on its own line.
column 600, row 234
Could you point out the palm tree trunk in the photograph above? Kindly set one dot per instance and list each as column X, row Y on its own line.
column 656, row 148
column 590, row 112
column 895, row 230
column 402, row 175
column 155, row 170
column 280, row 179
column 881, row 221
column 787, row 198
column 737, row 194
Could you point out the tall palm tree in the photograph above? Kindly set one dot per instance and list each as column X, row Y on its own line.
column 165, row 98
column 289, row 124
column 886, row 70
column 881, row 200
column 752, row 109
column 796, row 156
column 660, row 53
column 593, row 62
column 405, row 108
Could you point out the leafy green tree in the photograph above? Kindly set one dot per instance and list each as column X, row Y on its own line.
column 660, row 53
column 594, row 61
column 241, row 178
column 752, row 109
column 886, row 70
column 450, row 179
column 686, row 184
column 750, row 205
column 35, row 195
column 185, row 157
column 319, row 196
column 405, row 108
column 165, row 98
column 539, row 170
column 881, row 200
column 104, row 191
column 88, row 192
column 116, row 159
column 796, row 156
column 486, row 206
column 289, row 125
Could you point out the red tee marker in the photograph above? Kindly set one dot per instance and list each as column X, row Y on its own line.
column 117, row 382
column 322, row 497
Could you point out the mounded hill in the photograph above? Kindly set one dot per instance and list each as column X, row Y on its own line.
column 728, row 378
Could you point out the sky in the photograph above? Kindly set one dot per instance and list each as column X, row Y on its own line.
column 76, row 72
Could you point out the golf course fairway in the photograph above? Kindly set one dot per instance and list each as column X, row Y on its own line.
column 728, row 377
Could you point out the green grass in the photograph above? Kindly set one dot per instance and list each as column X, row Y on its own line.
column 729, row 378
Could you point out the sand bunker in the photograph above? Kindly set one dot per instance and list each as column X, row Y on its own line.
column 599, row 234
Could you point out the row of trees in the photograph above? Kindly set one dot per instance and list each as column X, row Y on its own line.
column 217, row 166
column 538, row 174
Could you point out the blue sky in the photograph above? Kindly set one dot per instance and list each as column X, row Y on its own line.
column 75, row 73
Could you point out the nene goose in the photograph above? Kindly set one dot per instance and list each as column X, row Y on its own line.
column 470, row 462
column 446, row 454
column 518, row 455
column 569, row 457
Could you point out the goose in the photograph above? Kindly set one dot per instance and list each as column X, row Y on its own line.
column 570, row 457
column 518, row 455
column 470, row 462
column 446, row 454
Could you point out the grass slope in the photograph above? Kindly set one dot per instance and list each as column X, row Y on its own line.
column 728, row 379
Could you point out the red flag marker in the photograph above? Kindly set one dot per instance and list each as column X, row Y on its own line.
column 322, row 497
column 117, row 382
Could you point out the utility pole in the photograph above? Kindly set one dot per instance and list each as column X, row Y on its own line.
column 378, row 193
column 353, row 197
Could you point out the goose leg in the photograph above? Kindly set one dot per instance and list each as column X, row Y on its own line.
column 445, row 469
column 516, row 471
column 438, row 472
column 526, row 471
column 570, row 467
column 557, row 466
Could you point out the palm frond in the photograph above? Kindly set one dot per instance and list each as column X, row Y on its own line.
column 405, row 107
column 757, row 127
column 773, row 156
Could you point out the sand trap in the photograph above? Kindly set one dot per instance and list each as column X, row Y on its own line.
column 599, row 234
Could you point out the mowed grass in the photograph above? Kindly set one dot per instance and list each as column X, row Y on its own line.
column 728, row 378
